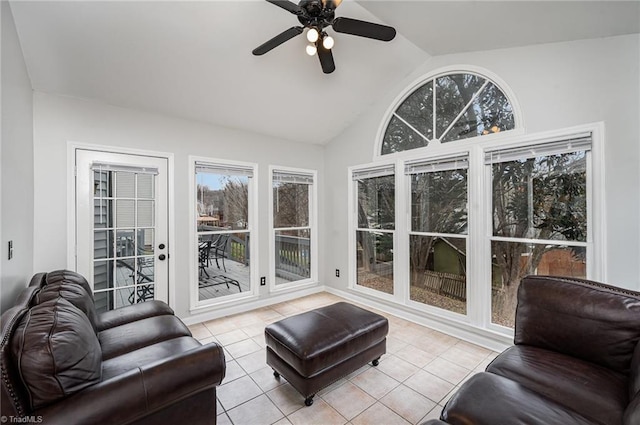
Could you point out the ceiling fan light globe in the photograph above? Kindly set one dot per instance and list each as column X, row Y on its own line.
column 312, row 35
column 311, row 50
column 328, row 42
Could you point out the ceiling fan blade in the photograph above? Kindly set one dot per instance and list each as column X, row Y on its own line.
column 277, row 40
column 326, row 58
column 287, row 5
column 364, row 29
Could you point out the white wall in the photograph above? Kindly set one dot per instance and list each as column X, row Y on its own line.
column 557, row 86
column 16, row 200
column 58, row 120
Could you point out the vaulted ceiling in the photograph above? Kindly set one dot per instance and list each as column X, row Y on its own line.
column 192, row 59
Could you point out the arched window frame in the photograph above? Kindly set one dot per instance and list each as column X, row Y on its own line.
column 461, row 144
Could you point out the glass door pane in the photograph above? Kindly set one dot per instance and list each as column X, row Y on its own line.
column 123, row 238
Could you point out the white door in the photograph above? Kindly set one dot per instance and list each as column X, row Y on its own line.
column 122, row 227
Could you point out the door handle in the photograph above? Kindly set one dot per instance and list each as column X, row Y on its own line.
column 161, row 246
column 161, row 257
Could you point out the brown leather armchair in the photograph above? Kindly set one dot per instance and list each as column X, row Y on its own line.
column 64, row 364
column 576, row 360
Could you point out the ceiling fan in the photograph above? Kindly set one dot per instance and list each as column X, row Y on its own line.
column 316, row 16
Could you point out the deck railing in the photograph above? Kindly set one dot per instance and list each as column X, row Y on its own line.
column 293, row 254
column 293, row 257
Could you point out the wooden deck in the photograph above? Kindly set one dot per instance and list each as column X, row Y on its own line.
column 215, row 285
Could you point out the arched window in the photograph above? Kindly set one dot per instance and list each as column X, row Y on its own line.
column 447, row 108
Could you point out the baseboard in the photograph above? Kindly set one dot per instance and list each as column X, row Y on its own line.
column 482, row 337
column 242, row 306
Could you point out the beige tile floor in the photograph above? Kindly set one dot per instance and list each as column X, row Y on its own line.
column 420, row 371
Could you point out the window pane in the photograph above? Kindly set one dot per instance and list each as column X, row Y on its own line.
column 417, row 110
column 103, row 244
column 144, row 293
column 490, row 112
column 102, row 213
column 125, row 186
column 290, row 204
column 223, row 264
column 293, row 255
column 374, row 254
column 124, row 297
column 411, row 125
column 125, row 272
column 541, row 198
column 399, row 137
column 453, row 93
column 145, row 269
column 125, row 245
column 103, row 301
column 376, row 203
column 145, row 242
column 145, row 186
column 438, row 272
column 511, row 261
column 145, row 213
column 439, row 202
column 102, row 275
column 223, row 201
column 102, row 186
column 125, row 212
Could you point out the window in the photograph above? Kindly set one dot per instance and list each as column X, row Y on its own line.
column 438, row 232
column 445, row 109
column 223, row 225
column 453, row 235
column 293, row 206
column 375, row 204
column 539, row 210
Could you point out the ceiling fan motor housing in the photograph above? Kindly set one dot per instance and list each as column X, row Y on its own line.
column 316, row 14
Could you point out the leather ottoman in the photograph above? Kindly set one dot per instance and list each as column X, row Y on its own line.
column 314, row 349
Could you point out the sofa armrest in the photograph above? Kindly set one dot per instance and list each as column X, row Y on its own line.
column 584, row 319
column 131, row 313
column 139, row 392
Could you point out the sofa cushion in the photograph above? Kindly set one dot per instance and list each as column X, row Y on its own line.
column 57, row 352
column 75, row 294
column 488, row 399
column 599, row 325
column 132, row 336
column 67, row 276
column 147, row 355
column 597, row 393
column 132, row 313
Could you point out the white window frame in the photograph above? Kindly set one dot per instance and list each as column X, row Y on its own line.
column 398, row 290
column 252, row 228
column 406, row 188
column 313, row 226
column 480, row 227
column 426, row 151
column 596, row 228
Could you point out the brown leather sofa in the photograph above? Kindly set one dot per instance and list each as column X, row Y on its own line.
column 64, row 364
column 576, row 360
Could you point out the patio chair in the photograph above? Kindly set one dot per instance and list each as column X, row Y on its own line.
column 219, row 250
column 204, row 250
